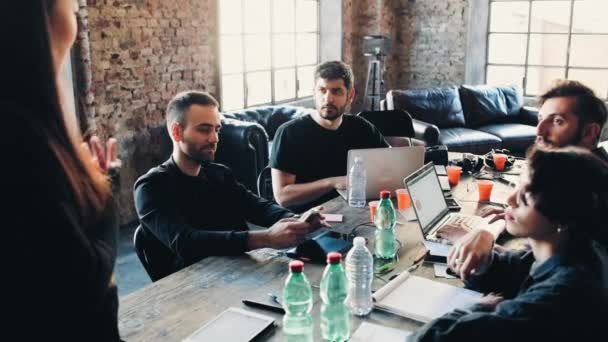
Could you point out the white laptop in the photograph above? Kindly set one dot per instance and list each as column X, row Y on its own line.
column 432, row 210
column 386, row 167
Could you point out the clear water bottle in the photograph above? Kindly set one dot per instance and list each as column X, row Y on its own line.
column 357, row 182
column 360, row 272
column 297, row 302
column 385, row 246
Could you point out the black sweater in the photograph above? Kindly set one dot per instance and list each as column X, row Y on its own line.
column 200, row 216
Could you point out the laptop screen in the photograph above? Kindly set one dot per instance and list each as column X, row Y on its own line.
column 427, row 197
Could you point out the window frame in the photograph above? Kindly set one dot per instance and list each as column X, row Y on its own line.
column 478, row 43
column 273, row 68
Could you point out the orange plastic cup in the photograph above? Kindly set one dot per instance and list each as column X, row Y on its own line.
column 499, row 161
column 403, row 199
column 485, row 190
column 454, row 174
column 372, row 209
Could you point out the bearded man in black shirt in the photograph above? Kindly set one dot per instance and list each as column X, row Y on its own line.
column 196, row 208
column 308, row 156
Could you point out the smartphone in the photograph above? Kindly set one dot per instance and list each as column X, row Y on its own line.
column 452, row 204
column 444, row 182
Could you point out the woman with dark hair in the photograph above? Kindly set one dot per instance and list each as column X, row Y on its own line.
column 60, row 226
column 556, row 291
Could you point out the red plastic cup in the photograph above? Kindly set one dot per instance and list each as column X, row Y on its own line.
column 403, row 199
column 453, row 174
column 372, row 209
column 485, row 190
column 499, row 161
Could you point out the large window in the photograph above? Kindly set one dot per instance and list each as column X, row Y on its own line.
column 533, row 42
column 268, row 51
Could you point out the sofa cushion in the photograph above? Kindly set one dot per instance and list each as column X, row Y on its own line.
column 460, row 139
column 515, row 137
column 486, row 104
column 439, row 106
column 270, row 117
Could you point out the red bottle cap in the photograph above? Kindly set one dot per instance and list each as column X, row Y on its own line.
column 296, row 266
column 385, row 194
column 334, row 257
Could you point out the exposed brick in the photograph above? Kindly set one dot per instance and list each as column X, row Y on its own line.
column 132, row 46
column 429, row 41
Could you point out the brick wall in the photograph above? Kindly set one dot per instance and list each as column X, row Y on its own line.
column 142, row 53
column 429, row 41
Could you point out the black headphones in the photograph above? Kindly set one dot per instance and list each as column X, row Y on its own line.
column 469, row 163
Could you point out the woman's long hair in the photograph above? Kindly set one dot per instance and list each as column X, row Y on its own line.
column 29, row 79
column 570, row 186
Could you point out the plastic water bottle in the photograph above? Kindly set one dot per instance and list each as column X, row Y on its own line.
column 297, row 302
column 360, row 272
column 357, row 182
column 385, row 220
column 335, row 324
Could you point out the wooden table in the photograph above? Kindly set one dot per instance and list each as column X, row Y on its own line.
column 174, row 307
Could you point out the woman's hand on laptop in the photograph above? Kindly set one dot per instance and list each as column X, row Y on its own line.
column 499, row 214
column 471, row 253
column 453, row 232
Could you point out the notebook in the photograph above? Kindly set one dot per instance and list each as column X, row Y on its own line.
column 250, row 326
column 385, row 167
column 432, row 210
column 374, row 332
column 422, row 299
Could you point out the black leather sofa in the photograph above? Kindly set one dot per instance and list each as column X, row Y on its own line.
column 472, row 119
column 267, row 118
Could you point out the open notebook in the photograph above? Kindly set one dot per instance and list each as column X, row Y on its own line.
column 422, row 299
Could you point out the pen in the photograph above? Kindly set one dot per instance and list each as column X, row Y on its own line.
column 263, row 306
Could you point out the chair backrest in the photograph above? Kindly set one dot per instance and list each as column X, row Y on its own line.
column 265, row 184
column 391, row 123
column 156, row 258
column 399, row 141
column 269, row 117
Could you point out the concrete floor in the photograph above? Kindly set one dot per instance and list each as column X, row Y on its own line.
column 130, row 273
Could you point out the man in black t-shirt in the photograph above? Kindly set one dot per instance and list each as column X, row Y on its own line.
column 196, row 208
column 308, row 157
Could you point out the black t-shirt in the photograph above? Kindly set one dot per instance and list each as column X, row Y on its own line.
column 310, row 152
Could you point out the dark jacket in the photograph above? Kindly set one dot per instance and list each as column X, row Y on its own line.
column 196, row 217
column 562, row 299
column 57, row 271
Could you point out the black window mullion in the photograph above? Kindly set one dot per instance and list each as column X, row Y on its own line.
column 525, row 80
column 569, row 38
column 295, row 45
column 272, row 80
column 245, row 89
column 489, row 23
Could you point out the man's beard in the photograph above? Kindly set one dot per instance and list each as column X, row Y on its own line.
column 201, row 154
column 337, row 112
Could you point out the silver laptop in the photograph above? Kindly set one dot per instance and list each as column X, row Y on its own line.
column 431, row 207
column 386, row 167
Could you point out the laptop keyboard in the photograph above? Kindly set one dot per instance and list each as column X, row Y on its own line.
column 469, row 222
